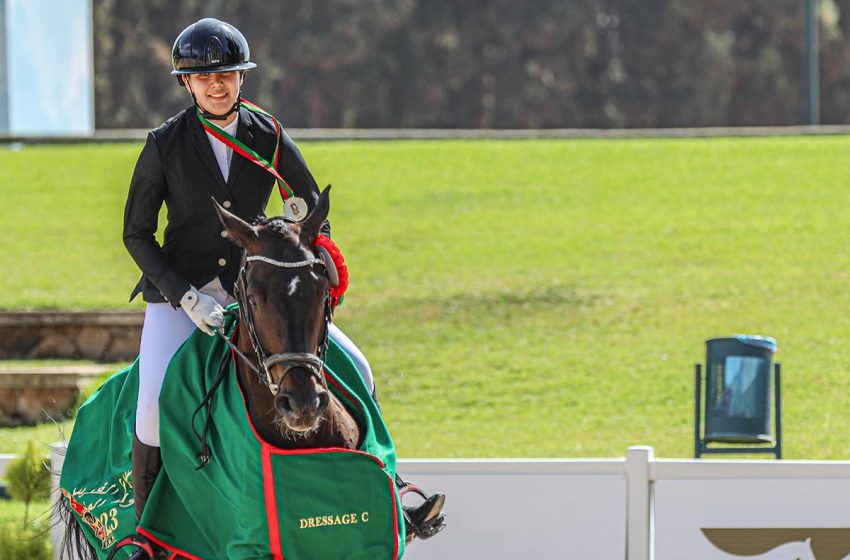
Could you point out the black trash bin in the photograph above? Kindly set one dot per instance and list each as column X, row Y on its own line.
column 738, row 389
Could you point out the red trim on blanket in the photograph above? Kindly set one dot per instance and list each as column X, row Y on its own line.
column 278, row 451
column 318, row 450
column 166, row 546
column 268, row 477
column 395, row 518
column 344, row 393
column 271, row 503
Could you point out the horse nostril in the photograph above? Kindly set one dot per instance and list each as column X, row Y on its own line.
column 322, row 403
column 283, row 404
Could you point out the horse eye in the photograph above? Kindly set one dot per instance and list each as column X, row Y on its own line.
column 252, row 301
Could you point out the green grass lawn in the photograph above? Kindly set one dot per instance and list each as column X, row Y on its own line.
column 32, row 544
column 14, row 440
column 12, row 511
column 45, row 363
column 525, row 298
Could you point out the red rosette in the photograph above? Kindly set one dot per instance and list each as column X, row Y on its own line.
column 341, row 269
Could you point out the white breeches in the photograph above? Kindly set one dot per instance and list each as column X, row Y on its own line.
column 355, row 354
column 164, row 331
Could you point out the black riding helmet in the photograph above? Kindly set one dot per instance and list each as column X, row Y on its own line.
column 210, row 46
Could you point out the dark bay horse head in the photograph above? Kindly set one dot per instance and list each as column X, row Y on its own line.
column 284, row 310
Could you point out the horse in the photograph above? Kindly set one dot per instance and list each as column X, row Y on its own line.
column 290, row 404
column 281, row 337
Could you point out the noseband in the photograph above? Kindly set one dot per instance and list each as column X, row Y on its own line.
column 312, row 362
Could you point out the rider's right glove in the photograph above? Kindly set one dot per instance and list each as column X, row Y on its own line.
column 204, row 310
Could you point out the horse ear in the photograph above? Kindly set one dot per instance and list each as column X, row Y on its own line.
column 312, row 224
column 238, row 230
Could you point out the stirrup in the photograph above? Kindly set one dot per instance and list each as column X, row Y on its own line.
column 427, row 519
column 142, row 546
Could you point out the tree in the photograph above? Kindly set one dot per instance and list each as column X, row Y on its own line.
column 486, row 63
column 29, row 479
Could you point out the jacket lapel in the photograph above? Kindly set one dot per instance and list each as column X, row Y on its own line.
column 244, row 133
column 205, row 153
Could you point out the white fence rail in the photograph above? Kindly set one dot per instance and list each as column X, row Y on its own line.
column 525, row 509
column 5, row 459
column 777, row 510
column 637, row 508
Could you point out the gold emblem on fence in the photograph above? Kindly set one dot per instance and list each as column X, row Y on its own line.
column 817, row 543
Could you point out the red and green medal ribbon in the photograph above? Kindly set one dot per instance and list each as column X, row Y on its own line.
column 243, row 150
column 338, row 291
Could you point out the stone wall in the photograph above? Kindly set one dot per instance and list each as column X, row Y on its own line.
column 30, row 395
column 103, row 336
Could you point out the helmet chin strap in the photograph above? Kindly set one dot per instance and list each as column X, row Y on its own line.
column 212, row 116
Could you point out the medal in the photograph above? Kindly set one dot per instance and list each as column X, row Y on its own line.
column 295, row 208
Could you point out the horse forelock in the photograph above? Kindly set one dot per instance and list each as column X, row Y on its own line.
column 275, row 222
column 280, row 228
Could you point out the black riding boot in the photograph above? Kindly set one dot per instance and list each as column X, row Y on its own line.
column 146, row 464
column 425, row 520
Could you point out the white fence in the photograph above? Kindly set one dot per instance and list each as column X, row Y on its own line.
column 5, row 459
column 636, row 508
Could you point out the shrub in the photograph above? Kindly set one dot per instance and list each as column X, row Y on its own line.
column 18, row 543
column 29, row 479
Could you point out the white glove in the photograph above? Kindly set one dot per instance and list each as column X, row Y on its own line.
column 204, row 310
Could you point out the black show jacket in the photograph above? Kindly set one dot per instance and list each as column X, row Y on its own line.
column 177, row 167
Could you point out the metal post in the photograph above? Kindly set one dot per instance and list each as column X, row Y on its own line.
column 638, row 515
column 811, row 65
column 778, row 404
column 698, row 412
column 4, row 79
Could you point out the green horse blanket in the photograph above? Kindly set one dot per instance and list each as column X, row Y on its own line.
column 252, row 501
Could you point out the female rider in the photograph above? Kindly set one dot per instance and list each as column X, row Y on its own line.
column 188, row 279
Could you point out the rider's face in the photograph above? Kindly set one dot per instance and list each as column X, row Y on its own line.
column 216, row 93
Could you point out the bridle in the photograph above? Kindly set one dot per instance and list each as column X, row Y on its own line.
column 312, row 362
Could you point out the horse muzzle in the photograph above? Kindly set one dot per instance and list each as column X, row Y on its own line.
column 301, row 410
column 301, row 394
